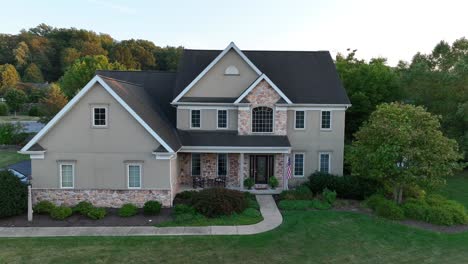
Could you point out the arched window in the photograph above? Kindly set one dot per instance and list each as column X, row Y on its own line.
column 262, row 119
column 231, row 70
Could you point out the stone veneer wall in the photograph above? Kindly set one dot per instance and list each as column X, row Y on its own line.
column 262, row 95
column 208, row 165
column 184, row 176
column 279, row 169
column 233, row 179
column 101, row 198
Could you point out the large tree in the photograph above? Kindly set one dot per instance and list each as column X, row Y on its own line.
column 15, row 98
column 54, row 101
column 33, row 74
column 402, row 145
column 367, row 84
column 82, row 70
column 9, row 77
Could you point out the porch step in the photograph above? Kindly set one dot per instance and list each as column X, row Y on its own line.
column 261, row 186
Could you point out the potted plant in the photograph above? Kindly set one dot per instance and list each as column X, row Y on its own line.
column 249, row 183
column 273, row 182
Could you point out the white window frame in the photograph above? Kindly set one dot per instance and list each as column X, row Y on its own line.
column 303, row 164
column 191, row 163
column 190, row 119
column 73, row 174
column 305, row 115
column 251, row 120
column 331, row 120
column 128, row 174
column 217, row 119
column 93, row 124
column 227, row 164
column 329, row 161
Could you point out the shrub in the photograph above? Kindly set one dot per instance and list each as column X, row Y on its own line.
column 128, row 210
column 439, row 216
column 295, row 204
column 373, row 201
column 435, row 200
column 347, row 187
column 11, row 133
column 219, row 201
column 184, row 197
column 35, row 111
column 249, row 183
column 320, row 205
column 328, row 196
column 152, row 207
column 389, row 209
column 13, row 195
column 457, row 211
column 43, row 207
column 416, row 209
column 4, row 111
column 301, row 192
column 97, row 213
column 250, row 212
column 61, row 212
column 273, row 182
column 83, row 208
column 184, row 209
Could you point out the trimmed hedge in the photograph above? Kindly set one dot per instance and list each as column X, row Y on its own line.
column 13, row 195
column 83, row 208
column 128, row 210
column 389, row 209
column 152, row 207
column 184, row 197
column 61, row 212
column 216, row 202
column 347, row 187
column 97, row 213
column 43, row 207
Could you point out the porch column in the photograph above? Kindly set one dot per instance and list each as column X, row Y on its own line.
column 241, row 171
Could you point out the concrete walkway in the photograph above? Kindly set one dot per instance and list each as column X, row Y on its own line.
column 271, row 219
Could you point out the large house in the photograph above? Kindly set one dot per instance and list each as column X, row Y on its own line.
column 224, row 116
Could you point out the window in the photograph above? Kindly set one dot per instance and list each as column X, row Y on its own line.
column 134, row 176
column 299, row 120
column 196, row 164
column 262, row 119
column 299, row 164
column 231, row 70
column 100, row 116
column 222, row 118
column 222, row 164
column 67, row 175
column 195, row 119
column 325, row 120
column 324, row 162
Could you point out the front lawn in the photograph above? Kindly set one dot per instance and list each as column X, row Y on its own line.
column 457, row 188
column 18, row 118
column 11, row 156
column 304, row 237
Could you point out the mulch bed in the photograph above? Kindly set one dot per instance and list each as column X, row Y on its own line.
column 111, row 219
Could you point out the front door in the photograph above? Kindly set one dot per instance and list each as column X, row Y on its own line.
column 261, row 168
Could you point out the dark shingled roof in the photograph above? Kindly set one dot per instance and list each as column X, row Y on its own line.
column 208, row 99
column 305, row 77
column 36, row 147
column 230, row 139
column 23, row 167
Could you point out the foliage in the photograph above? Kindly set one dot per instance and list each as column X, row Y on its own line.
column 13, row 195
column 249, row 183
column 389, row 209
column 33, row 74
column 128, row 210
column 81, row 72
column 367, row 85
column 328, row 196
column 301, row 192
column 320, row 205
column 135, row 54
column 215, row 202
column 9, row 77
column 346, row 187
column 11, row 134
column 43, row 207
column 4, row 111
column 97, row 213
column 184, row 197
column 402, row 145
column 416, row 209
column 152, row 207
column 83, row 208
column 303, row 204
column 273, row 182
column 21, row 53
column 184, row 209
column 35, row 111
column 15, row 98
column 61, row 212
column 54, row 101
column 374, row 200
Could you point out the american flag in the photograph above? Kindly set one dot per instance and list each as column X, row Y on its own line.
column 289, row 168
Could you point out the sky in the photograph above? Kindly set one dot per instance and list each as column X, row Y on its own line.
column 394, row 29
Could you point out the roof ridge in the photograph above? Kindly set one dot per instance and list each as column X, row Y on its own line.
column 153, row 71
column 292, row 51
column 122, row 81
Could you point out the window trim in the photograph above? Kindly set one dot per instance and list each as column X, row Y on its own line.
column 329, row 161
column 73, row 174
column 295, row 123
column 190, row 119
column 227, row 164
column 331, row 119
column 217, row 118
column 191, row 165
column 303, row 164
column 128, row 174
column 93, row 124
column 273, row 120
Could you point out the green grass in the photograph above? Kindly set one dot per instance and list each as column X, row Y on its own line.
column 304, row 237
column 457, row 188
column 18, row 118
column 9, row 156
column 200, row 220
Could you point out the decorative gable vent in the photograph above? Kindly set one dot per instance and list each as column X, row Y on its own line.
column 231, row 70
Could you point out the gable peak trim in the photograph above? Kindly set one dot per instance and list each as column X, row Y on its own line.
column 256, row 82
column 213, row 63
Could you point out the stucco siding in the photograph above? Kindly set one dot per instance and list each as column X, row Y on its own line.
column 99, row 154
column 208, row 119
column 216, row 84
column 312, row 140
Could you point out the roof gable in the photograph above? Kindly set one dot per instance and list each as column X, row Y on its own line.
column 230, row 47
column 262, row 77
